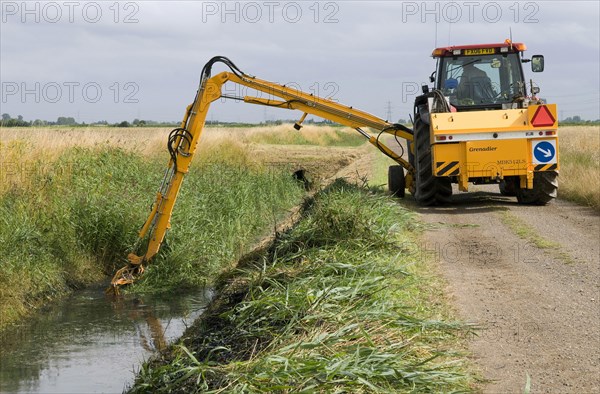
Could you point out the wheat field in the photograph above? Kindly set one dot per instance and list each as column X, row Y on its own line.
column 27, row 151
column 579, row 179
column 51, row 141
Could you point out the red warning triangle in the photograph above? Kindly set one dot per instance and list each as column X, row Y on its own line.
column 542, row 117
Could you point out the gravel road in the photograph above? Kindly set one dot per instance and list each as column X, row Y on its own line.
column 535, row 297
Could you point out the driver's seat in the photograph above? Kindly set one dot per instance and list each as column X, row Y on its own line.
column 478, row 89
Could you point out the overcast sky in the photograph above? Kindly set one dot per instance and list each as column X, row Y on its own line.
column 108, row 60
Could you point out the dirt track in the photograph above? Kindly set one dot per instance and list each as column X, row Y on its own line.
column 537, row 308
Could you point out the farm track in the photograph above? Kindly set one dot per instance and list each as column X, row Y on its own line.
column 534, row 297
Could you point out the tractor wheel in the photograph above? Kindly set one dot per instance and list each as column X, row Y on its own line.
column 396, row 182
column 545, row 189
column 429, row 189
column 508, row 186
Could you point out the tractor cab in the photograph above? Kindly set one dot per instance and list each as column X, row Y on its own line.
column 487, row 76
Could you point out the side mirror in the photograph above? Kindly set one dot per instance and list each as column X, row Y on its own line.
column 537, row 63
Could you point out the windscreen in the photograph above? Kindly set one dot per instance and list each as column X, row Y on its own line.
column 481, row 80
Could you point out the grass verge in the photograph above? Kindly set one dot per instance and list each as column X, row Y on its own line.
column 71, row 221
column 333, row 306
column 527, row 233
column 579, row 179
column 523, row 231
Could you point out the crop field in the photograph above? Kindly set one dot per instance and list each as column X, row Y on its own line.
column 580, row 165
column 150, row 140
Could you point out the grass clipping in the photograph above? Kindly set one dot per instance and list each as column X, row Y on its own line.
column 334, row 306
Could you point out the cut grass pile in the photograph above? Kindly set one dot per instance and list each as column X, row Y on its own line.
column 335, row 305
column 71, row 219
column 579, row 179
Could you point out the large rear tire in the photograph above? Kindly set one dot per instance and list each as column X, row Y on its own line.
column 396, row 181
column 545, row 189
column 429, row 189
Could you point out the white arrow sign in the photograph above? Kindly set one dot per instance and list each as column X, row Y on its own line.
column 546, row 152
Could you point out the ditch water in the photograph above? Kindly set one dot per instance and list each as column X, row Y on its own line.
column 92, row 343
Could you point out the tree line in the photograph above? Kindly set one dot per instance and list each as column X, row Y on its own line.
column 8, row 121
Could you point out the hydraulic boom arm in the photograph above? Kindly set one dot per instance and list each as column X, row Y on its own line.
column 183, row 141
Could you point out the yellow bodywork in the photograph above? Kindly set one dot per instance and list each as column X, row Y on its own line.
column 492, row 144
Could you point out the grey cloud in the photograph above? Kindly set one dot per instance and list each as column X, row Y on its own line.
column 369, row 51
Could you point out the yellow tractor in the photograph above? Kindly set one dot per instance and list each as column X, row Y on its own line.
column 478, row 124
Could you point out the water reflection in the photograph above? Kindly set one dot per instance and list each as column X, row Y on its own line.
column 91, row 342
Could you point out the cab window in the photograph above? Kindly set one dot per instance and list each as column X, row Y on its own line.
column 481, row 80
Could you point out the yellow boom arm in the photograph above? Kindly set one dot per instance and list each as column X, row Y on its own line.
column 184, row 140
